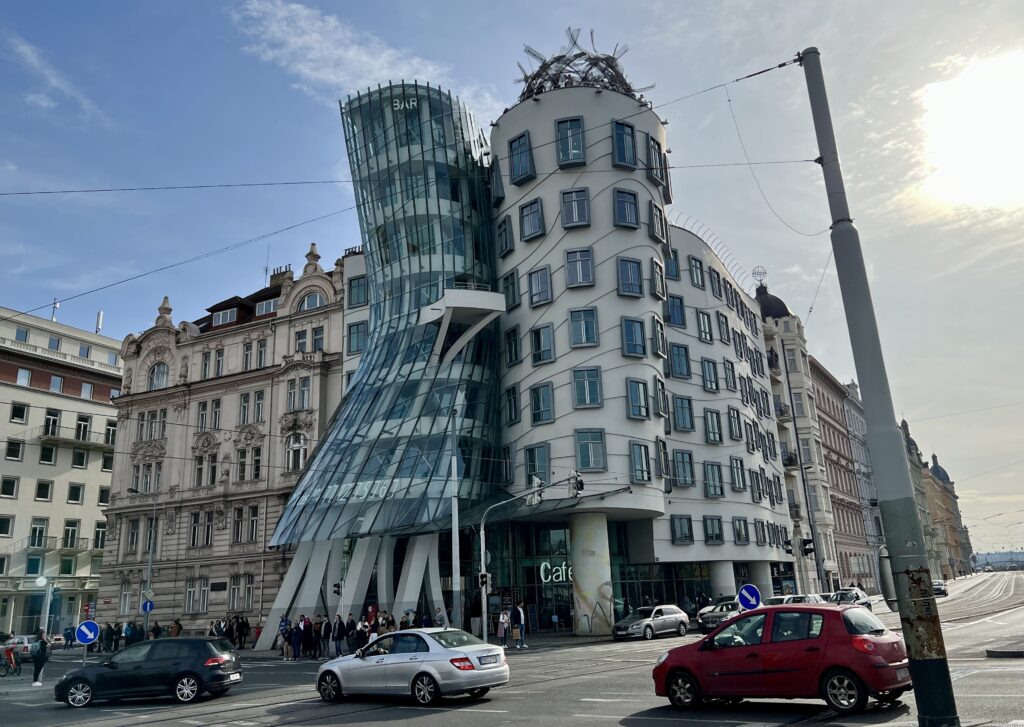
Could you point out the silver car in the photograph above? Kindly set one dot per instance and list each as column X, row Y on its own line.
column 423, row 663
column 651, row 621
column 795, row 598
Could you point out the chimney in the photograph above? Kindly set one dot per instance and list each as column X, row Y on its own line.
column 280, row 275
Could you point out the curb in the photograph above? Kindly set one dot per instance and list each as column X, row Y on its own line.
column 1010, row 651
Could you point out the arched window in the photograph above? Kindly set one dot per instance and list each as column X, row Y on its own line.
column 312, row 300
column 295, row 454
column 157, row 376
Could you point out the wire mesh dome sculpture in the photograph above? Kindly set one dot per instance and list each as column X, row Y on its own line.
column 576, row 66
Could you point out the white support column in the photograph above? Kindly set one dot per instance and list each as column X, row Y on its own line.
column 761, row 576
column 308, row 601
column 413, row 569
column 357, row 577
column 591, row 574
column 434, row 594
column 723, row 579
column 285, row 595
column 335, row 574
column 386, row 573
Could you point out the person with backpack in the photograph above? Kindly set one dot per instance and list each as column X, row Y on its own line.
column 39, row 657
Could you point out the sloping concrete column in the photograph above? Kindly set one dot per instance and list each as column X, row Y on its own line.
column 591, row 574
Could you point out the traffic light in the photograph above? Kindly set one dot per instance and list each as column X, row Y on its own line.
column 788, row 545
column 808, row 546
column 337, row 589
column 485, row 581
column 575, row 484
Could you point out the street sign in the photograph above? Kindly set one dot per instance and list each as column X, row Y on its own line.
column 147, row 595
column 749, row 597
column 87, row 632
column 147, row 606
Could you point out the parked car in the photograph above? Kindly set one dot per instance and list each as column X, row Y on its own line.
column 825, row 597
column 720, row 599
column 426, row 664
column 988, row 569
column 22, row 646
column 181, row 667
column 853, row 596
column 56, row 641
column 794, row 598
column 652, row 621
column 843, row 655
column 708, row 620
column 940, row 588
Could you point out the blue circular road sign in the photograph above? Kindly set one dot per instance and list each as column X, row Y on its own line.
column 87, row 632
column 147, row 606
column 749, row 596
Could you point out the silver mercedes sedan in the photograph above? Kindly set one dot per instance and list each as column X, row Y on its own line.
column 425, row 664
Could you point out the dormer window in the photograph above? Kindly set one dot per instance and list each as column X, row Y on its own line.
column 311, row 301
column 265, row 307
column 225, row 316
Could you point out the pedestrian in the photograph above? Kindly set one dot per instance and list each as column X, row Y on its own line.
column 117, row 636
column 108, row 638
column 256, row 635
column 338, row 633
column 68, row 636
column 440, row 617
column 282, row 634
column 350, row 633
column 325, row 639
column 39, row 656
column 503, row 626
column 297, row 639
column 519, row 626
column 155, row 631
column 404, row 623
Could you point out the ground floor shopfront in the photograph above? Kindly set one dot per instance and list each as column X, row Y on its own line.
column 21, row 609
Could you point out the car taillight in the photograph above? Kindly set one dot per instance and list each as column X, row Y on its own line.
column 463, row 664
column 215, row 660
column 863, row 644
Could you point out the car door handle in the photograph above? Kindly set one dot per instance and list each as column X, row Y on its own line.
column 414, row 658
column 379, row 661
column 813, row 648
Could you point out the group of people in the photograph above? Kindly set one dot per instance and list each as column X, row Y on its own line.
column 235, row 629
column 512, row 622
column 312, row 638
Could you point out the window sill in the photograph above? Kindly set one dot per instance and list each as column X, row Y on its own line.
column 572, row 225
column 534, row 236
column 627, row 225
column 523, row 179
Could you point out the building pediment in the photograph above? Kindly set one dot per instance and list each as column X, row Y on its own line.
column 205, row 443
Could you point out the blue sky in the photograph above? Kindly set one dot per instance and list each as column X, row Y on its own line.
column 121, row 94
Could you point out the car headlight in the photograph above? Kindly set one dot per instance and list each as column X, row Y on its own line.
column 661, row 658
column 634, row 627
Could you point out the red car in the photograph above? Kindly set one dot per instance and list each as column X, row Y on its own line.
column 842, row 654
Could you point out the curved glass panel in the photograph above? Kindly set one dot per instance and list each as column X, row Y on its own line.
column 424, row 213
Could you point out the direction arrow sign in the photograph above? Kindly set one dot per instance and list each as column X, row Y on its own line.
column 749, row 596
column 147, row 606
column 87, row 632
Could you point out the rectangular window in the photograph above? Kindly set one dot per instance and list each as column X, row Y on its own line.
column 215, row 414
column 225, row 316
column 513, row 354
column 318, row 338
column 204, row 365
column 15, row 450
column 520, row 159
column 542, row 344
column 261, row 353
column 713, row 480
column 218, row 362
column 630, row 275
column 44, row 490
column 76, row 493
column 33, row 565
column 569, row 140
column 257, row 406
column 9, row 487
column 586, row 387
column 539, row 283
column 21, row 335
column 86, row 392
column 237, row 524
column 579, row 268
column 634, row 338
column 682, row 529
column 696, row 272
column 760, row 532
column 531, row 220
column 704, row 327
column 575, row 208
column 738, row 473
column 658, row 288
column 741, row 532
column 682, row 413
column 243, row 408
column 300, row 341
column 590, row 450
column 675, row 311
column 639, row 400
column 639, row 462
column 659, row 344
column 713, row 530
column 657, row 227
column 716, row 282
column 542, row 404
column 47, row 454
column 735, row 424
column 6, row 526
column 626, row 212
column 24, row 377
column 505, row 241
column 798, row 403
column 682, row 464
column 247, row 356
column 655, row 161
column 623, row 145
column 357, row 291
column 709, row 374
column 57, row 384
column 510, row 289
column 79, row 458
column 266, row 307
column 257, row 462
column 660, row 397
column 730, row 374
column 679, row 361
column 537, row 459
column 723, row 327
column 712, row 426
column 358, row 334
column 510, row 405
column 54, row 343
column 583, row 327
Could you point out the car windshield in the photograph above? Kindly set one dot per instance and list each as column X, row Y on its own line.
column 860, row 621
column 455, row 639
column 221, row 646
column 844, row 596
column 774, row 600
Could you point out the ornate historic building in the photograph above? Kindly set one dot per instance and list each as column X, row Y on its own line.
column 952, row 542
column 216, row 420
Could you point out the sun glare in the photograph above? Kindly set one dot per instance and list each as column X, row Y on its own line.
column 974, row 127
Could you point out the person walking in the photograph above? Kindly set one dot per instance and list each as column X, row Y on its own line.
column 325, row 639
column 175, row 628
column 285, row 634
column 503, row 627
column 155, row 631
column 519, row 626
column 39, row 656
column 338, row 633
column 297, row 639
column 350, row 633
column 440, row 617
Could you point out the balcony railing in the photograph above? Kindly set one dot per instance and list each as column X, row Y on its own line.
column 782, row 411
column 59, row 356
column 789, row 460
column 795, row 512
column 87, row 439
column 74, row 545
column 34, row 544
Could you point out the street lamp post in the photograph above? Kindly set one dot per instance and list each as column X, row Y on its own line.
column 44, row 582
column 150, row 546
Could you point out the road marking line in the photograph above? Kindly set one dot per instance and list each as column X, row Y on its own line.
column 598, row 699
column 460, row 709
column 672, row 719
column 192, row 721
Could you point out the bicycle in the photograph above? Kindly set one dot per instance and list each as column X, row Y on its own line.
column 10, row 666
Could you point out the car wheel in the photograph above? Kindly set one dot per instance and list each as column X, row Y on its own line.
column 329, row 687
column 425, row 690
column 79, row 694
column 844, row 692
column 479, row 693
column 648, row 633
column 218, row 692
column 683, row 690
column 682, row 628
column 186, row 688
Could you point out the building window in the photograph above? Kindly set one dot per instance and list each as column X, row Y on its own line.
column 358, row 334
column 716, row 282
column 510, row 289
column 497, row 187
column 48, row 454
column 99, row 535
column 506, row 244
column 295, row 454
column 15, row 450
column 738, row 473
column 704, row 327
column 24, row 377
column 542, row 404
column 79, row 458
column 639, row 401
column 712, row 427
column 542, row 344
column 257, row 462
column 626, row 212
column 740, row 530
column 44, row 490
column 658, row 279
column 623, row 145
column 54, row 343
column 590, row 450
column 76, row 493
column 713, row 480
column 510, row 405
column 224, row 316
column 657, row 227
column 237, row 525
column 266, row 307
column 6, row 526
column 300, row 341
column 696, row 272
column 57, row 384
column 630, row 274
column 531, row 220
column 735, row 424
column 676, row 311
column 520, row 159
column 513, row 354
column 730, row 374
column 579, row 268
column 215, row 414
column 204, row 366
column 679, row 361
column 318, row 338
column 243, row 408
column 312, row 301
column 682, row 413
column 682, row 529
column 659, row 344
column 9, row 487
column 655, row 161
column 86, row 392
column 21, row 335
column 19, row 413
column 586, row 387
column 709, row 374
column 539, row 283
column 713, row 530
column 583, row 327
column 257, row 406
column 575, row 208
column 357, row 291
column 723, row 327
column 569, row 141
column 639, row 462
column 261, row 353
column 211, row 469
column 672, row 264
column 682, row 464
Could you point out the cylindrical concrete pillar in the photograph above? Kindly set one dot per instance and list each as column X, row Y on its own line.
column 591, row 574
column 723, row 581
column 761, row 576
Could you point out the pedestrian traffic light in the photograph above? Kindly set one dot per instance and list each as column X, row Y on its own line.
column 788, row 545
column 485, row 581
column 337, row 589
column 808, row 546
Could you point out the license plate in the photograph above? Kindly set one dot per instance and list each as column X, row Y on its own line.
column 903, row 673
column 493, row 658
column 235, row 677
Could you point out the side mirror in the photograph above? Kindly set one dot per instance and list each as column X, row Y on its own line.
column 709, row 645
column 358, row 654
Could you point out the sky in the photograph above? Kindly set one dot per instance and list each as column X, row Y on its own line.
column 925, row 97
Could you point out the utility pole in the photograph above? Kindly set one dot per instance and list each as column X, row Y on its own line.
column 456, row 556
column 919, row 615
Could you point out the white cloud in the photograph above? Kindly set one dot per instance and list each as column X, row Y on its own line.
column 331, row 58
column 31, row 58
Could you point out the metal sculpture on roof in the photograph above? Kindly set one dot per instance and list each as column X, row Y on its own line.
column 576, row 66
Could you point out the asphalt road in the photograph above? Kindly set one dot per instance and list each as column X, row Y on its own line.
column 589, row 684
